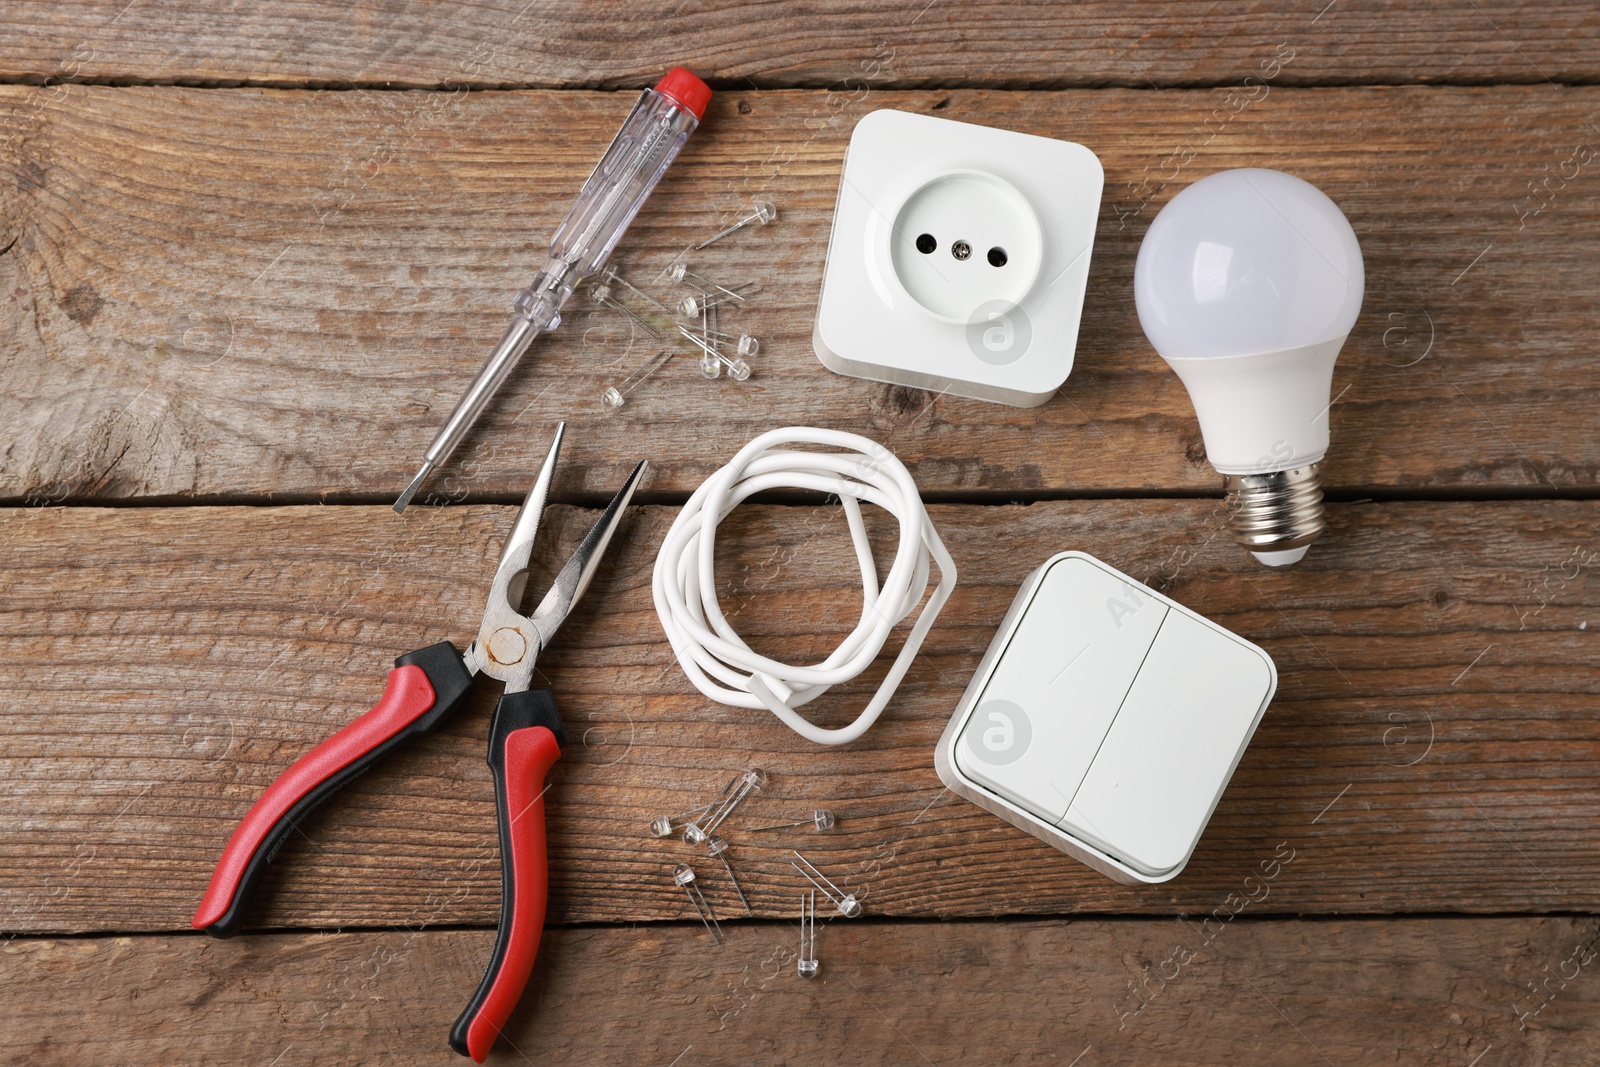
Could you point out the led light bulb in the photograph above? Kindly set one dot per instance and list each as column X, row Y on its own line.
column 1248, row 283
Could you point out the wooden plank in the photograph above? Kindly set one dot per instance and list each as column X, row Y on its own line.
column 248, row 293
column 1440, row 992
column 1432, row 746
column 510, row 43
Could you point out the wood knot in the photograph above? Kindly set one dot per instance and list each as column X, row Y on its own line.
column 82, row 303
column 895, row 406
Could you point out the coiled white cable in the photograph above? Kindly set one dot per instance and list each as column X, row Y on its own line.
column 712, row 654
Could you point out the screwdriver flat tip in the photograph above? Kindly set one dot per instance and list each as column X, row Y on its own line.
column 411, row 490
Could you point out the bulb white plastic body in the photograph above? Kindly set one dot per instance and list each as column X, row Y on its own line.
column 1247, row 284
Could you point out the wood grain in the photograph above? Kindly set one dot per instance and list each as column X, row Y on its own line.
column 250, row 294
column 1432, row 746
column 1433, row 992
column 513, row 43
column 252, row 291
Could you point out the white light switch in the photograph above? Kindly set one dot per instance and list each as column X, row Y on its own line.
column 1106, row 719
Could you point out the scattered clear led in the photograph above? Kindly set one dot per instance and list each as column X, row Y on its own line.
column 807, row 963
column 698, row 830
column 821, row 819
column 617, row 395
column 763, row 214
column 683, row 875
column 847, row 903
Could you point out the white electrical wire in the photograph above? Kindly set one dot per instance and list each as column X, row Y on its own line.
column 712, row 654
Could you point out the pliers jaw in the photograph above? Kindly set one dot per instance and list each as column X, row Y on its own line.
column 508, row 642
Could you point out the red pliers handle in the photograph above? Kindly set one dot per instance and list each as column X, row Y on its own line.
column 424, row 687
column 524, row 743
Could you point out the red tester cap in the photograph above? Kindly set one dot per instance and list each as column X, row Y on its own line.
column 685, row 90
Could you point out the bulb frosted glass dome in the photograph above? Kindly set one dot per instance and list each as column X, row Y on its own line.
column 1247, row 261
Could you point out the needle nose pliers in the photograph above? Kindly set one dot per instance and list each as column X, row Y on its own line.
column 525, row 740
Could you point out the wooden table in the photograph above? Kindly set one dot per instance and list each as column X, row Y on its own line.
column 250, row 254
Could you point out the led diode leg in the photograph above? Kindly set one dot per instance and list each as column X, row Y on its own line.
column 679, row 272
column 691, row 306
column 602, row 296
column 718, row 847
column 609, row 276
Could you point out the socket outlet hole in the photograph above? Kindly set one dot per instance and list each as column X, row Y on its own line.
column 969, row 213
column 997, row 256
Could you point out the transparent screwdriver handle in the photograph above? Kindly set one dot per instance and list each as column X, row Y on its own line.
column 648, row 142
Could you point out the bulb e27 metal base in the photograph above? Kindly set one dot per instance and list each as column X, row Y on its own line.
column 1276, row 514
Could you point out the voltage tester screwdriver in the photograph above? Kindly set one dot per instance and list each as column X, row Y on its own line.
column 646, row 145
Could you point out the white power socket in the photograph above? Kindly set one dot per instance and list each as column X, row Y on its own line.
column 959, row 258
